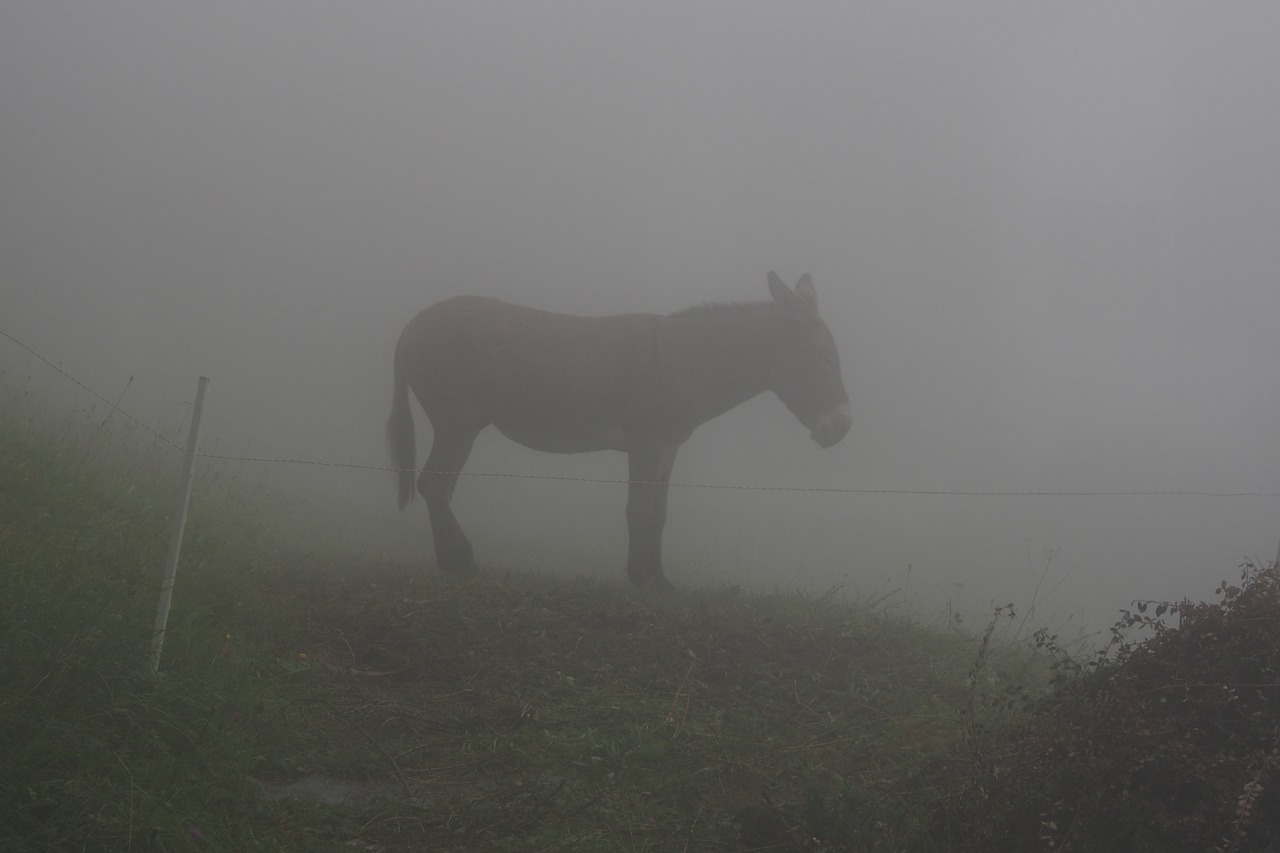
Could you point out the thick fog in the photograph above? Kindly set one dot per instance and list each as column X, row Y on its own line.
column 1044, row 236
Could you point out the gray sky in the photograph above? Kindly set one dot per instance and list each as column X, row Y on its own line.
column 1044, row 236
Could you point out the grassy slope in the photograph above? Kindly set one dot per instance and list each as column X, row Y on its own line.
column 98, row 755
column 528, row 712
column 508, row 712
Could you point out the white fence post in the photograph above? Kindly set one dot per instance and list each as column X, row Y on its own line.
column 175, row 539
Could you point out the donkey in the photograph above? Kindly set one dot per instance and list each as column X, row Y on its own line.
column 639, row 383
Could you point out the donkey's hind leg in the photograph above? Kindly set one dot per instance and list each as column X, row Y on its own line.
column 449, row 452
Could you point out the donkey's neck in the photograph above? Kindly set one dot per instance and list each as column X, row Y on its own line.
column 723, row 355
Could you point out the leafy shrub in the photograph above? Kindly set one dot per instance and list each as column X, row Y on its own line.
column 1164, row 745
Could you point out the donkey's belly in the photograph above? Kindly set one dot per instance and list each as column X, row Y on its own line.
column 562, row 438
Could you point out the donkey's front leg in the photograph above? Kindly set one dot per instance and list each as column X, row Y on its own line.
column 650, row 471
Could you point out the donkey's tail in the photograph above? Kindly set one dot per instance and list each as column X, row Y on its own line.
column 401, row 443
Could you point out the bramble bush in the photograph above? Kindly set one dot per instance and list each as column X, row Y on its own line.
column 1168, row 744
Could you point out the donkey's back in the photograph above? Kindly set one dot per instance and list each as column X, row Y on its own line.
column 549, row 381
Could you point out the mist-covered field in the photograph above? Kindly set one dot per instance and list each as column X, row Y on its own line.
column 314, row 697
column 1042, row 238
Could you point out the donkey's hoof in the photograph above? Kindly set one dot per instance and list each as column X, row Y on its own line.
column 458, row 567
column 651, row 582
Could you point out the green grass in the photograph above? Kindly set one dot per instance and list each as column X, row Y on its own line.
column 511, row 712
column 528, row 713
column 503, row 712
column 100, row 755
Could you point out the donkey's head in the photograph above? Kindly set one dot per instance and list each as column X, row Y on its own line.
column 806, row 376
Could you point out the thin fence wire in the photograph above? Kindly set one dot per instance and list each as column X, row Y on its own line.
column 276, row 460
column 115, row 408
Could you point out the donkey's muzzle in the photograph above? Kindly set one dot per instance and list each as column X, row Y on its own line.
column 831, row 427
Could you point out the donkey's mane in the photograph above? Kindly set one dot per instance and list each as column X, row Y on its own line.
column 717, row 309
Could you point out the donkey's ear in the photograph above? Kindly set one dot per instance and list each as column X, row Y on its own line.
column 779, row 290
column 804, row 289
